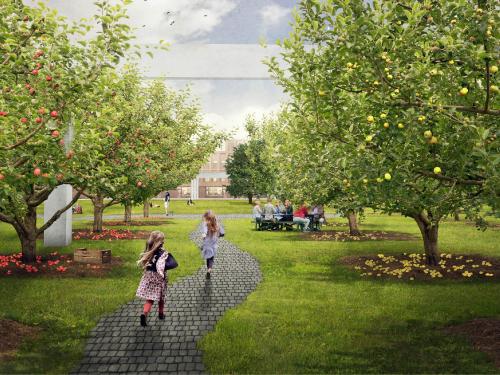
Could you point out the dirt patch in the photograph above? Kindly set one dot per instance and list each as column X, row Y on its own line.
column 12, row 334
column 110, row 234
column 483, row 333
column 54, row 265
column 342, row 236
column 138, row 223
column 412, row 267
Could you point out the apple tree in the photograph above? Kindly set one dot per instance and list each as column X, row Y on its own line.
column 49, row 69
column 408, row 91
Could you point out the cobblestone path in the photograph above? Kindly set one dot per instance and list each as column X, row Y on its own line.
column 118, row 344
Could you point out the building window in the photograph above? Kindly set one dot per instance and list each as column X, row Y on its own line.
column 215, row 191
column 184, row 191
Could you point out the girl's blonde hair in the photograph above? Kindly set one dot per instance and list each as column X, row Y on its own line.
column 155, row 241
column 212, row 225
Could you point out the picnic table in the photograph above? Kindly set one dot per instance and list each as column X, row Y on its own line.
column 282, row 221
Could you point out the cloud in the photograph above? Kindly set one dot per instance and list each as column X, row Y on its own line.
column 173, row 21
column 273, row 14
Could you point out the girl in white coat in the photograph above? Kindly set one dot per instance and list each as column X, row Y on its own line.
column 212, row 230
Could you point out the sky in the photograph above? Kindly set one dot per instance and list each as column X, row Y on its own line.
column 209, row 38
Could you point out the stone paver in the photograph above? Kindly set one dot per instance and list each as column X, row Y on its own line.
column 118, row 344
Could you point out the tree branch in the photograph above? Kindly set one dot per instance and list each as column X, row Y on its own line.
column 492, row 112
column 7, row 219
column 23, row 141
column 451, row 179
column 58, row 213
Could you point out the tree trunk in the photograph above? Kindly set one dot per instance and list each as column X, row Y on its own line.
column 127, row 218
column 457, row 215
column 353, row 224
column 98, row 203
column 27, row 235
column 429, row 232
column 250, row 196
column 146, row 208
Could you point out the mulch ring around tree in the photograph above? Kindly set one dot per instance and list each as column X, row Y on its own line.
column 12, row 334
column 483, row 333
column 413, row 267
column 110, row 234
column 342, row 236
column 54, row 264
column 137, row 223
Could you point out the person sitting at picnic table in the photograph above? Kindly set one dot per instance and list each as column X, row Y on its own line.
column 300, row 217
column 269, row 210
column 288, row 211
column 257, row 212
column 279, row 210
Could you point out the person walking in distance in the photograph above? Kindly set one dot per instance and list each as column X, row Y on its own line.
column 167, row 202
column 153, row 285
column 211, row 231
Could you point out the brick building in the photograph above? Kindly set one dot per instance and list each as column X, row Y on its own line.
column 212, row 180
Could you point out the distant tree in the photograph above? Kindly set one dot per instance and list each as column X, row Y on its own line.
column 250, row 171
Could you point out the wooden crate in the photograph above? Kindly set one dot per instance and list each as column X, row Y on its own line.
column 84, row 255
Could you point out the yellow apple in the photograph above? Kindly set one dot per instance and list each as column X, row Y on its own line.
column 370, row 118
column 389, row 76
column 387, row 176
column 421, row 118
column 433, row 140
column 350, row 65
column 383, row 115
column 321, row 93
column 493, row 69
column 386, row 125
column 368, row 138
column 427, row 134
column 379, row 179
column 437, row 170
column 464, row 91
column 365, row 181
column 401, row 126
column 345, row 182
column 494, row 88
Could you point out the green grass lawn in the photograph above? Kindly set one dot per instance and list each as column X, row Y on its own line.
column 177, row 207
column 309, row 314
column 312, row 315
column 68, row 308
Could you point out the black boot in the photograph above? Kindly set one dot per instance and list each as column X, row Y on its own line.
column 143, row 320
column 161, row 316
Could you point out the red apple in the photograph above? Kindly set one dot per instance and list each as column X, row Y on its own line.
column 38, row 65
column 109, row 133
column 26, row 19
column 61, row 142
column 48, row 78
column 28, row 86
column 37, row 172
column 34, row 72
column 54, row 114
column 59, row 177
column 32, row 91
column 70, row 154
column 139, row 184
column 24, row 120
column 55, row 134
column 42, row 111
column 1, row 177
column 3, row 113
column 46, row 175
column 38, row 120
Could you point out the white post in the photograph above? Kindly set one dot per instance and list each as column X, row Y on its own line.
column 59, row 233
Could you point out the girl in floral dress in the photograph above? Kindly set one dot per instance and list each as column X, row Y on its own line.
column 153, row 285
